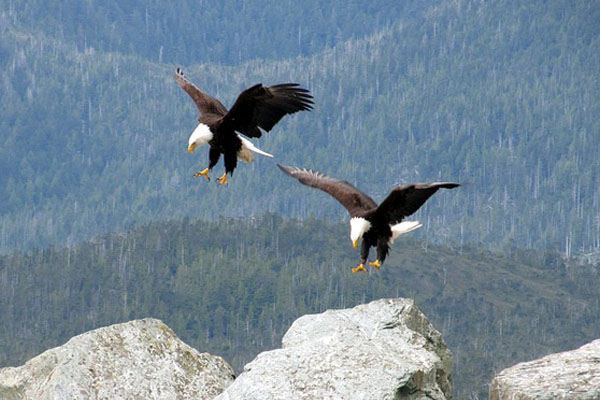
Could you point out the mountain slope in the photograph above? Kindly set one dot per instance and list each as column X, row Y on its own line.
column 224, row 32
column 495, row 94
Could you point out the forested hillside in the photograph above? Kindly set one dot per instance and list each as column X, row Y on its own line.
column 232, row 287
column 223, row 32
column 501, row 95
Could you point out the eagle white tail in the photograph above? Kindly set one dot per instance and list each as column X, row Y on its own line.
column 245, row 153
column 404, row 227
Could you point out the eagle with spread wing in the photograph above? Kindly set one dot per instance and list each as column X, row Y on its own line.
column 377, row 226
column 258, row 107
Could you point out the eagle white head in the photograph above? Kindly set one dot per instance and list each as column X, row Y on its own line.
column 358, row 227
column 201, row 136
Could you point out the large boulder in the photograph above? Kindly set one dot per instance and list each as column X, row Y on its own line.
column 141, row 359
column 573, row 375
column 382, row 350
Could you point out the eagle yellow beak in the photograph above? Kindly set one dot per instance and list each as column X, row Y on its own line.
column 191, row 147
column 355, row 244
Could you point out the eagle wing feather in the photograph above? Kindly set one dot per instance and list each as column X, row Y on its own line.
column 263, row 107
column 406, row 200
column 347, row 194
column 206, row 104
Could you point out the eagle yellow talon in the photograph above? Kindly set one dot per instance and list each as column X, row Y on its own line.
column 375, row 264
column 222, row 180
column 203, row 173
column 359, row 268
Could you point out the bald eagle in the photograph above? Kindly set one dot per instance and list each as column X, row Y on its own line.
column 256, row 108
column 377, row 226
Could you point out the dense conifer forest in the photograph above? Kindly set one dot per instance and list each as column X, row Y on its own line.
column 500, row 95
column 232, row 287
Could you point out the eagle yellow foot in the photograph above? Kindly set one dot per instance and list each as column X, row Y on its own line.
column 375, row 264
column 222, row 180
column 203, row 173
column 359, row 268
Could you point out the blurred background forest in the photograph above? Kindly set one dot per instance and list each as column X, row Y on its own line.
column 101, row 220
column 504, row 96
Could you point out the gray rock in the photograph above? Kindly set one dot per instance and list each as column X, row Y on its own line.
column 382, row 350
column 569, row 375
column 141, row 359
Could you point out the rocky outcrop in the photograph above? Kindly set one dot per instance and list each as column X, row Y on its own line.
column 570, row 375
column 141, row 359
column 382, row 350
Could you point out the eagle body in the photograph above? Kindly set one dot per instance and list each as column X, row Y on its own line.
column 378, row 235
column 223, row 141
column 258, row 107
column 376, row 225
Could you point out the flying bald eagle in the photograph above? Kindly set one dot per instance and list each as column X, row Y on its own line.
column 378, row 226
column 256, row 108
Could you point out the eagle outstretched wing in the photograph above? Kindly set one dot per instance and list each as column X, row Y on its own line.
column 406, row 200
column 205, row 103
column 262, row 107
column 349, row 196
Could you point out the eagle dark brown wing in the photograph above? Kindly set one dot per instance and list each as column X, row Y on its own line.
column 262, row 107
column 349, row 196
column 205, row 103
column 405, row 200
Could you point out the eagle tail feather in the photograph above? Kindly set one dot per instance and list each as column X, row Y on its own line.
column 247, row 147
column 404, row 227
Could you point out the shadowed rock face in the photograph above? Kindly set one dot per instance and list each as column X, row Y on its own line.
column 573, row 375
column 382, row 350
column 141, row 359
